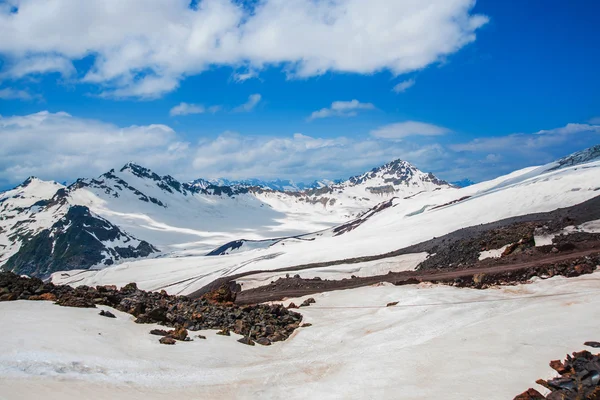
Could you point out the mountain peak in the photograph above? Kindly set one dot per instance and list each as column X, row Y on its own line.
column 394, row 173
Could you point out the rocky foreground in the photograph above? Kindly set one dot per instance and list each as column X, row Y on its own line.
column 579, row 378
column 263, row 324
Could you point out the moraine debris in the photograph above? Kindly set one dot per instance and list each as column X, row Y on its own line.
column 579, row 379
column 274, row 322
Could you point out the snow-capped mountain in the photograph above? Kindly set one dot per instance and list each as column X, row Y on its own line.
column 367, row 245
column 134, row 212
column 42, row 231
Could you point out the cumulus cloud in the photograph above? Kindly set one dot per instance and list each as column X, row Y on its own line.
column 248, row 106
column 404, row 86
column 144, row 48
column 405, row 129
column 522, row 142
column 16, row 94
column 41, row 64
column 62, row 147
column 341, row 109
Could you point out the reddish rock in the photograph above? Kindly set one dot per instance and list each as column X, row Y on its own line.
column 393, row 303
column 178, row 334
column 224, row 294
column 44, row 297
column 558, row 366
column 167, row 340
column 530, row 394
column 292, row 305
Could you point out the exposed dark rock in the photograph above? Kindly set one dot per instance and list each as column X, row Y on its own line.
column 592, row 344
column 76, row 241
column 393, row 303
column 579, row 379
column 246, row 340
column 159, row 332
column 167, row 340
column 274, row 322
column 201, row 337
column 107, row 314
column 307, row 302
column 530, row 394
column 263, row 341
column 305, row 325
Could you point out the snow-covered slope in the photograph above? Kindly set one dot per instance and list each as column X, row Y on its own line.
column 41, row 231
column 182, row 219
column 438, row 342
column 24, row 212
column 406, row 221
column 389, row 207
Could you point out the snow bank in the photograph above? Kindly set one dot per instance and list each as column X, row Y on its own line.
column 438, row 342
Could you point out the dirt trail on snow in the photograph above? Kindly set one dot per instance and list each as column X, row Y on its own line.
column 298, row 287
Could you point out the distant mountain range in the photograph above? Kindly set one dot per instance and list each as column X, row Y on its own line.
column 134, row 212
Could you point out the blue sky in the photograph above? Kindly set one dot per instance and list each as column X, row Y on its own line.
column 481, row 88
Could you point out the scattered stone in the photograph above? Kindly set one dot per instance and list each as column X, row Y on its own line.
column 292, row 305
column 558, row 366
column 167, row 340
column 305, row 325
column 592, row 344
column 201, row 337
column 308, row 302
column 179, row 334
column 393, row 303
column 224, row 294
column 246, row 340
column 272, row 321
column 107, row 314
column 530, row 394
column 224, row 332
column 159, row 332
column 579, row 379
column 263, row 341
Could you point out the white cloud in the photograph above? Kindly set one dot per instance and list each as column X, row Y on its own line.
column 341, row 109
column 15, row 94
column 244, row 76
column 167, row 40
column 186, row 109
column 62, row 147
column 41, row 64
column 595, row 121
column 404, row 86
column 401, row 130
column 248, row 106
column 521, row 142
